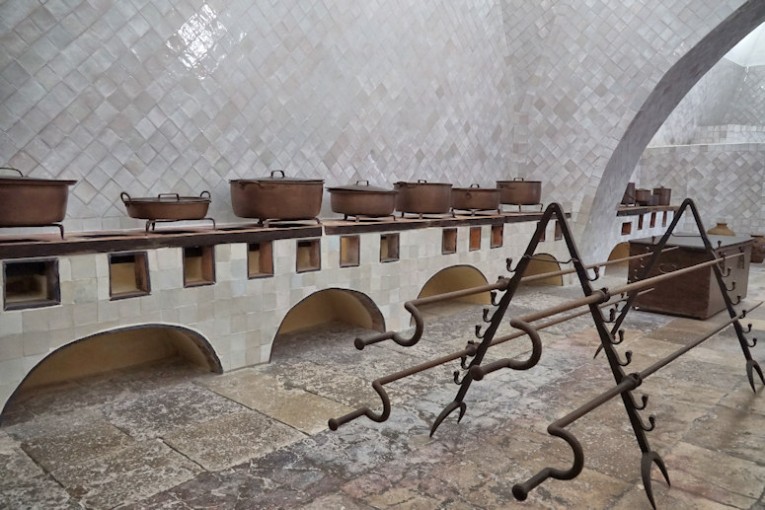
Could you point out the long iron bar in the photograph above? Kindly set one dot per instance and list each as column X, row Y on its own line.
column 628, row 383
column 562, row 272
column 470, row 350
column 413, row 306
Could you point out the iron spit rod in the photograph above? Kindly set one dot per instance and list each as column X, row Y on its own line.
column 629, row 383
column 562, row 272
column 672, row 357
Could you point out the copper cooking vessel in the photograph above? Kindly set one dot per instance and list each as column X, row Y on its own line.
column 663, row 195
column 475, row 198
column 361, row 199
column 167, row 206
column 643, row 196
column 277, row 197
column 423, row 197
column 28, row 202
column 520, row 191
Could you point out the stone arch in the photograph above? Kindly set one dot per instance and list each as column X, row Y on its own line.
column 543, row 263
column 620, row 251
column 116, row 349
column 659, row 104
column 330, row 305
column 455, row 278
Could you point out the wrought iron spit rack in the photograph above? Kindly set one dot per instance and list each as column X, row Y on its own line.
column 619, row 301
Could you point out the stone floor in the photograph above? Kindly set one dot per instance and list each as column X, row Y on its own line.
column 172, row 437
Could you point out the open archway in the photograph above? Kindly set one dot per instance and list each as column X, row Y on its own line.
column 457, row 278
column 659, row 104
column 333, row 305
column 541, row 264
column 620, row 251
column 119, row 349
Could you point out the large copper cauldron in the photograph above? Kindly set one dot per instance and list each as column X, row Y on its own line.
column 277, row 197
column 28, row 202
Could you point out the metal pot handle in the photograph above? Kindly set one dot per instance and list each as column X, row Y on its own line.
column 518, row 179
column 171, row 195
column 475, row 185
column 11, row 168
column 125, row 197
column 422, row 181
column 365, row 181
column 205, row 194
column 280, row 171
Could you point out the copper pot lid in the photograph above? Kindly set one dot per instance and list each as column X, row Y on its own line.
column 279, row 176
column 23, row 179
column 423, row 182
column 166, row 198
column 474, row 187
column 519, row 180
column 362, row 186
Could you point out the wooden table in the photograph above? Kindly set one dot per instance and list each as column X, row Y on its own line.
column 695, row 294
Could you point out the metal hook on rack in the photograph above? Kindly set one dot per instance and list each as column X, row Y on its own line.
column 628, row 356
column 732, row 287
column 493, row 295
column 651, row 423
column 737, row 301
column 595, row 270
column 470, row 348
column 748, row 326
column 485, row 315
column 457, row 379
column 753, row 344
column 614, row 341
column 334, row 423
column 509, row 265
column 643, row 401
column 478, row 334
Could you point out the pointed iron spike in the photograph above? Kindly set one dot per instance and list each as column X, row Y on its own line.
column 645, row 471
column 447, row 410
column 463, row 409
column 597, row 351
column 751, row 367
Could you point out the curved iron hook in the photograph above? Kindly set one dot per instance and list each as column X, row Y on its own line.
column 478, row 334
column 595, row 270
column 620, row 334
column 509, row 265
column 737, row 301
column 419, row 328
column 493, row 295
column 463, row 359
column 612, row 314
column 748, row 326
column 648, row 459
column 651, row 423
column 479, row 372
column 521, row 490
column 457, row 379
column 627, row 355
column 732, row 288
column 753, row 344
column 486, row 312
column 643, row 401
column 334, row 423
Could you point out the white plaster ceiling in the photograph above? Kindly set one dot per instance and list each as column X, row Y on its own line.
column 751, row 50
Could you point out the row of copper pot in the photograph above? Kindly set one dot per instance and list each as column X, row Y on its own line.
column 644, row 196
column 284, row 198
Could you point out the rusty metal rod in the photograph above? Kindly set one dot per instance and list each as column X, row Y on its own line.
column 628, row 383
column 562, row 272
column 470, row 350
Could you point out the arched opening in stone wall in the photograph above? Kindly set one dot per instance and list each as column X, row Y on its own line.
column 543, row 263
column 660, row 103
column 457, row 278
column 115, row 350
column 620, row 251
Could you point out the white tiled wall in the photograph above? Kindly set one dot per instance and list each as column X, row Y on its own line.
column 149, row 96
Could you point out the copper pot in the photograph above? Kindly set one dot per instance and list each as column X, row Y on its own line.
column 167, row 206
column 643, row 196
column 663, row 195
column 28, row 202
column 475, row 198
column 423, row 197
column 277, row 197
column 361, row 199
column 520, row 191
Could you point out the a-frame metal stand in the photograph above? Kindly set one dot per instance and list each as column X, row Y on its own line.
column 595, row 300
